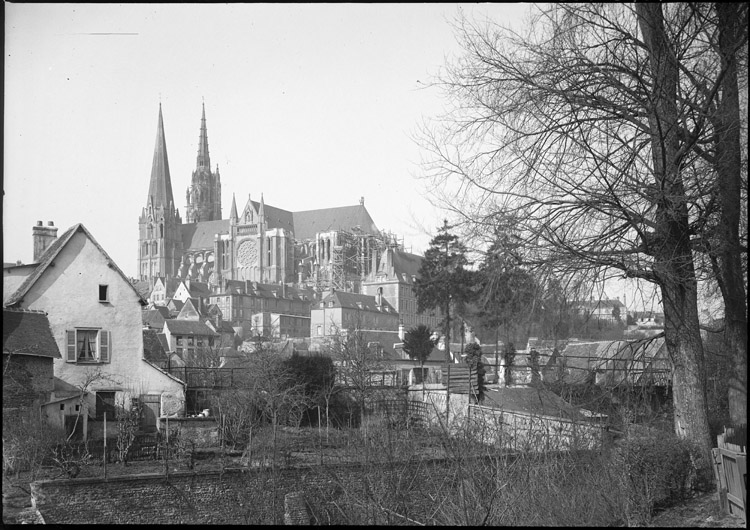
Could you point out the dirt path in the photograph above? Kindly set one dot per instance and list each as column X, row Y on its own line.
column 702, row 511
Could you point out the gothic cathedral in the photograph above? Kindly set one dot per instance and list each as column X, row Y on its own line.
column 323, row 248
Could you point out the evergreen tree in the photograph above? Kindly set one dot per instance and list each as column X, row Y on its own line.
column 444, row 282
column 418, row 345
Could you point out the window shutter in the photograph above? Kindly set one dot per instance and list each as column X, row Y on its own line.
column 71, row 340
column 105, row 343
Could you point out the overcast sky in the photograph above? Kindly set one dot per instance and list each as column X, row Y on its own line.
column 311, row 105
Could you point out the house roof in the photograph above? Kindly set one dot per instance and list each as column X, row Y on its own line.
column 310, row 222
column 197, row 289
column 358, row 301
column 28, row 333
column 153, row 349
column 188, row 327
column 154, row 317
column 530, row 400
column 52, row 252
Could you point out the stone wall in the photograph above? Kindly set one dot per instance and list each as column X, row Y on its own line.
column 204, row 432
column 236, row 496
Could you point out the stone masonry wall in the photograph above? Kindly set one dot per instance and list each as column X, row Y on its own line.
column 237, row 496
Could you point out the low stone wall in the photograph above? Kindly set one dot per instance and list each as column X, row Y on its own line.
column 236, row 496
column 204, row 432
column 516, row 431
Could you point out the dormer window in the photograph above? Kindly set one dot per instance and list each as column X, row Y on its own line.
column 103, row 293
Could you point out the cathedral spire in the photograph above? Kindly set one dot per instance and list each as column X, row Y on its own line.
column 160, row 188
column 204, row 161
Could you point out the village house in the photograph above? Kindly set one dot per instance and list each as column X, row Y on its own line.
column 94, row 313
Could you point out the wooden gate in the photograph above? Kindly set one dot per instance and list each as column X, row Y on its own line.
column 730, row 468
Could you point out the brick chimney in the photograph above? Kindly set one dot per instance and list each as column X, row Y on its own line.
column 43, row 237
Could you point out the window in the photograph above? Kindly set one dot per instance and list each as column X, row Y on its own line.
column 103, row 293
column 320, row 330
column 105, row 402
column 88, row 346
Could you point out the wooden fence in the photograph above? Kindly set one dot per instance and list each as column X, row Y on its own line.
column 730, row 469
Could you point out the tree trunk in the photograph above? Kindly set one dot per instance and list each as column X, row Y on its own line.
column 670, row 243
column 729, row 172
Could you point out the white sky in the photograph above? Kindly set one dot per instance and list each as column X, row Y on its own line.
column 311, row 105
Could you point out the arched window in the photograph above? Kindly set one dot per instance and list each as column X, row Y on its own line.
column 144, row 250
column 161, row 230
column 154, row 248
column 268, row 251
column 328, row 249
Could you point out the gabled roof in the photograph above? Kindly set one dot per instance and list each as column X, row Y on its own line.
column 358, row 301
column 188, row 327
column 310, row 222
column 28, row 333
column 52, row 252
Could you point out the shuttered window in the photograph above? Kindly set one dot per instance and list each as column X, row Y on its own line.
column 88, row 346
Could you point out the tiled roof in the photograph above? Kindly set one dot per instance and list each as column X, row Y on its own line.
column 28, row 333
column 52, row 252
column 188, row 327
column 310, row 222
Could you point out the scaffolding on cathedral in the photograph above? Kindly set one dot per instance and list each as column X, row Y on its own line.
column 351, row 259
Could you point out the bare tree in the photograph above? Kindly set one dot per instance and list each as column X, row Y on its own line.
column 579, row 130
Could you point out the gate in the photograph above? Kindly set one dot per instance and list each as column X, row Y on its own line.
column 730, row 469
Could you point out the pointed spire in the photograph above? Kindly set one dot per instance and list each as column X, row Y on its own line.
column 160, row 187
column 233, row 217
column 204, row 160
column 262, row 209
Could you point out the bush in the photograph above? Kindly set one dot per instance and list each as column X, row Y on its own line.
column 27, row 442
column 654, row 469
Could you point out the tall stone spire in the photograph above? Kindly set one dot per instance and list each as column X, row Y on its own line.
column 204, row 161
column 204, row 193
column 160, row 188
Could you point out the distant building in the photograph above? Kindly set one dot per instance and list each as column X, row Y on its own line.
column 339, row 312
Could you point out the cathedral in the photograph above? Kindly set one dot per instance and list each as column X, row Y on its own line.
column 319, row 249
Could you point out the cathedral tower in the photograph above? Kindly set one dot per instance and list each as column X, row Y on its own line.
column 160, row 235
column 204, row 194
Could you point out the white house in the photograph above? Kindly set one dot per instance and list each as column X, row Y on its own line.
column 94, row 313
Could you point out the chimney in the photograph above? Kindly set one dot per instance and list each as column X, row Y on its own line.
column 43, row 237
column 401, row 333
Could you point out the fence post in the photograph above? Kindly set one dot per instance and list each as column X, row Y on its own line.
column 104, row 456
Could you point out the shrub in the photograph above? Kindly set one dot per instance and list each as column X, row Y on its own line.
column 654, row 469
